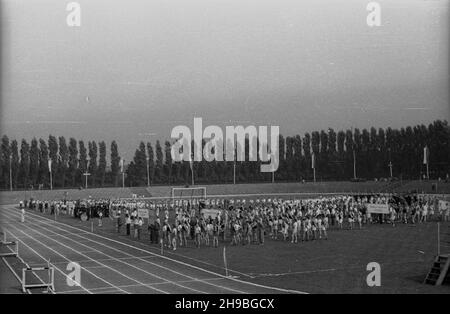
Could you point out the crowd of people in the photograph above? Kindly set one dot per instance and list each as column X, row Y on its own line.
column 86, row 208
column 179, row 223
column 252, row 221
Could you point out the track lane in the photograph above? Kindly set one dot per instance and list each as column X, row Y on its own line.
column 170, row 265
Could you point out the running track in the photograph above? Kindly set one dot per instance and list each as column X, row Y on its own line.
column 111, row 266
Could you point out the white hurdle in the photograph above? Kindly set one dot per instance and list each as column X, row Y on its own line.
column 6, row 243
column 49, row 285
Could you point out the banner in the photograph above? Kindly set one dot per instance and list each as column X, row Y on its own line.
column 50, row 165
column 121, row 165
column 378, row 208
column 143, row 212
column 313, row 159
column 426, row 155
column 210, row 212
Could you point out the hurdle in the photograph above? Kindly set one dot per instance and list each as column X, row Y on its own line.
column 50, row 285
column 6, row 243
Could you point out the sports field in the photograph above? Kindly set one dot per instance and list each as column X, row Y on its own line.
column 113, row 263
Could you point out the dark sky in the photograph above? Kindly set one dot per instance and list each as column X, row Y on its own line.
column 137, row 68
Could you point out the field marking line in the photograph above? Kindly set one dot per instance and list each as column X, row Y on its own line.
column 35, row 252
column 131, row 286
column 112, row 258
column 170, row 259
column 25, row 263
column 76, row 251
column 104, row 259
column 46, row 246
column 122, row 252
column 146, row 261
column 14, row 273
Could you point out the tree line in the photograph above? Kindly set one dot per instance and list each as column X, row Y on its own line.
column 371, row 151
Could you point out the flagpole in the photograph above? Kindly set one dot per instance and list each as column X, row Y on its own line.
column 148, row 171
column 234, row 172
column 313, row 165
column 192, row 172
column 49, row 161
column 10, row 173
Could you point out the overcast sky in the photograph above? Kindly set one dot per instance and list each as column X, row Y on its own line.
column 137, row 68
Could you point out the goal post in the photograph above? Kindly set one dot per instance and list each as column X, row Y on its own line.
column 188, row 193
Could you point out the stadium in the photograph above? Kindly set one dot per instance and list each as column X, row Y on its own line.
column 224, row 147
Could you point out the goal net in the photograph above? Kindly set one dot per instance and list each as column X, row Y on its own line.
column 198, row 193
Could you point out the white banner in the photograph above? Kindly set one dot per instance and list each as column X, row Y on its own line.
column 378, row 208
column 143, row 212
column 210, row 212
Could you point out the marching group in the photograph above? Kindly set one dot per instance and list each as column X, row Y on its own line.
column 173, row 223
column 287, row 220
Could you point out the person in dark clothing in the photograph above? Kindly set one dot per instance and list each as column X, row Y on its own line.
column 128, row 224
column 150, row 231
column 157, row 229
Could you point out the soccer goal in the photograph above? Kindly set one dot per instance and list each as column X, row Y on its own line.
column 189, row 193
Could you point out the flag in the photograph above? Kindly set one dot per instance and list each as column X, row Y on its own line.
column 313, row 161
column 50, row 165
column 426, row 155
column 121, row 165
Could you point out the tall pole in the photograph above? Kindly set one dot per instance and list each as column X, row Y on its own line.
column 49, row 161
column 234, row 172
column 86, row 174
column 192, row 173
column 10, row 173
column 148, row 172
column 123, row 179
column 314, row 172
column 390, row 167
column 354, row 164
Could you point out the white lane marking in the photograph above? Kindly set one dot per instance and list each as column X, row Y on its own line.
column 170, row 259
column 106, row 266
column 46, row 246
column 148, row 262
column 57, row 268
column 111, row 257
